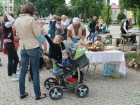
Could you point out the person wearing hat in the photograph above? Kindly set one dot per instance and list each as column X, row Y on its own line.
column 76, row 31
column 66, row 61
column 93, row 24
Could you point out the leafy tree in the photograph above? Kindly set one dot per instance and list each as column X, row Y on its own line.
column 138, row 17
column 106, row 13
column 1, row 9
column 87, row 8
column 50, row 5
column 18, row 4
column 63, row 10
column 121, row 16
column 130, row 5
column 43, row 7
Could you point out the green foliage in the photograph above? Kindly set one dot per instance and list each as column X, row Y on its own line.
column 43, row 7
column 87, row 8
column 121, row 16
column 106, row 13
column 129, row 4
column 18, row 4
column 1, row 9
column 138, row 17
column 63, row 10
column 135, row 55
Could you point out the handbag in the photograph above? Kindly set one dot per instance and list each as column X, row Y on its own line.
column 49, row 30
column 4, row 50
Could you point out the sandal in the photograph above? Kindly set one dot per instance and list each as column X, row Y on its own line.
column 26, row 94
column 41, row 97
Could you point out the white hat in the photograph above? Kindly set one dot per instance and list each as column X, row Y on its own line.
column 76, row 20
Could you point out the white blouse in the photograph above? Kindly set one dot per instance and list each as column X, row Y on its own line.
column 65, row 24
column 73, row 35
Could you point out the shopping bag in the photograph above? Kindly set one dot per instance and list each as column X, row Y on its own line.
column 4, row 50
column 108, row 69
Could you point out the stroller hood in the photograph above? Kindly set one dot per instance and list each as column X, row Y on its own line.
column 73, row 49
column 77, row 53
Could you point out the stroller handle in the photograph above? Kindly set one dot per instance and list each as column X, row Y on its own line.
column 44, row 52
column 53, row 60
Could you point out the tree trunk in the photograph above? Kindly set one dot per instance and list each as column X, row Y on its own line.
column 85, row 18
column 135, row 18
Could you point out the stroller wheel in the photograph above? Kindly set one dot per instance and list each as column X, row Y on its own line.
column 81, row 90
column 55, row 93
column 49, row 82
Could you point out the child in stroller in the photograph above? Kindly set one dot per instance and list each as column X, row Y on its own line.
column 66, row 61
column 72, row 77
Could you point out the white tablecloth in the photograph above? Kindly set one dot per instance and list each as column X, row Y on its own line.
column 108, row 57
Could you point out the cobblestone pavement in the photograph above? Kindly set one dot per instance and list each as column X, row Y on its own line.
column 102, row 90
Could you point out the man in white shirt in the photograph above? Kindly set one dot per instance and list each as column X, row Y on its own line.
column 126, row 25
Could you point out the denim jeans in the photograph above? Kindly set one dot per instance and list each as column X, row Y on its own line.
column 52, row 34
column 89, row 35
column 12, row 58
column 64, row 34
column 75, row 40
column 92, row 36
column 33, row 55
column 41, row 63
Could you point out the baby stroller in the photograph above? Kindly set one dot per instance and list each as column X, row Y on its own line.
column 72, row 76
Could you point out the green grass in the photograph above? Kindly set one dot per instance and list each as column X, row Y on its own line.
column 135, row 56
column 136, row 26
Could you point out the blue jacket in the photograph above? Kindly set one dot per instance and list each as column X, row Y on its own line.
column 66, row 62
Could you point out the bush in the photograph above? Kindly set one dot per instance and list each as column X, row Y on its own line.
column 121, row 16
column 138, row 17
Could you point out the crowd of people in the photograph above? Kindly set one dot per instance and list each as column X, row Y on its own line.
column 29, row 34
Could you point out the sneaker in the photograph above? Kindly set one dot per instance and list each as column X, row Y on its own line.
column 9, row 77
column 18, row 72
column 14, row 79
column 15, row 76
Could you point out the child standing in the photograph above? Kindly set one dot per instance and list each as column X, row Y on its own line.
column 55, row 49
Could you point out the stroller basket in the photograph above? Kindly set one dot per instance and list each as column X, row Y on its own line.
column 71, row 85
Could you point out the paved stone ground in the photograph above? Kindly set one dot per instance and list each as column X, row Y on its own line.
column 102, row 90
